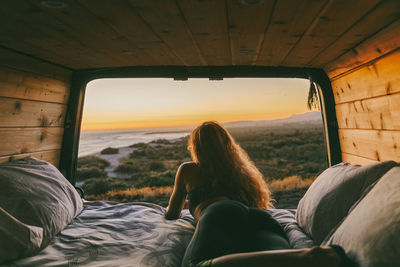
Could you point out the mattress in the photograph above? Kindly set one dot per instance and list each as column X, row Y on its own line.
column 132, row 234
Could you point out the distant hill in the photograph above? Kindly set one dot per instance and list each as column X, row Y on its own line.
column 313, row 117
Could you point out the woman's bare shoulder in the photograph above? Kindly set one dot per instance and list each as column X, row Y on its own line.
column 189, row 165
column 188, row 170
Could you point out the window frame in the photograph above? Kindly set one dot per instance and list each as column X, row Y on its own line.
column 80, row 79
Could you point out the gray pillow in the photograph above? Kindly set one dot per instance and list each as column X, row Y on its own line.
column 328, row 200
column 370, row 234
column 36, row 202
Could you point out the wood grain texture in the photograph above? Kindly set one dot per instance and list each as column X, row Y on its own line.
column 383, row 42
column 246, row 35
column 164, row 18
column 290, row 20
column 380, row 78
column 24, row 85
column 28, row 64
column 336, row 18
column 356, row 160
column 26, row 27
column 26, row 113
column 28, row 140
column 379, row 113
column 52, row 156
column 384, row 14
column 132, row 27
column 378, row 145
column 207, row 20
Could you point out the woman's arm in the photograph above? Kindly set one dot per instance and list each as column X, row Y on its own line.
column 178, row 196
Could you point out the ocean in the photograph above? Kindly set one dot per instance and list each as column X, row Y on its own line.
column 92, row 142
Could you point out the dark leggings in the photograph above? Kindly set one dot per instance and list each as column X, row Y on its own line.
column 227, row 227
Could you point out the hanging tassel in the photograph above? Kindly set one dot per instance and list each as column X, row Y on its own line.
column 312, row 101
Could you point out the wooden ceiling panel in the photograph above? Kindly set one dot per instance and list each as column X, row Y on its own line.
column 24, row 27
column 377, row 18
column 120, row 15
column 247, row 25
column 291, row 18
column 207, row 22
column 98, row 39
column 102, row 33
column 336, row 18
column 384, row 42
column 165, row 19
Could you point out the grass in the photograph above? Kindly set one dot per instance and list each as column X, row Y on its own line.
column 290, row 183
column 109, row 150
column 286, row 156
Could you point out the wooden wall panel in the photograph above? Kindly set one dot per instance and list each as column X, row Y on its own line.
column 29, row 140
column 379, row 113
column 26, row 113
column 52, row 156
column 25, row 85
column 377, row 79
column 377, row 145
column 366, row 87
column 378, row 45
column 33, row 104
column 357, row 160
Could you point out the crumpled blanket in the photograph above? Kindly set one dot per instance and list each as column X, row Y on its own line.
column 132, row 234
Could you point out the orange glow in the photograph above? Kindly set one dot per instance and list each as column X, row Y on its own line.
column 153, row 103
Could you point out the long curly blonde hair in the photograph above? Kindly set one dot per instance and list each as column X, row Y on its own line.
column 226, row 167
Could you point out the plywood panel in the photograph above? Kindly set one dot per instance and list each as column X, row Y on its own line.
column 334, row 20
column 247, row 27
column 165, row 19
column 376, row 145
column 51, row 156
column 382, row 43
column 24, row 140
column 25, row 85
column 290, row 20
column 207, row 21
column 385, row 13
column 26, row 113
column 356, row 160
column 381, row 113
column 380, row 78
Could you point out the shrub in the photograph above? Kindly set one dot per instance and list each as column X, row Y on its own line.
column 103, row 185
column 89, row 172
column 166, row 178
column 127, row 167
column 161, row 141
column 156, row 166
column 92, row 161
column 139, row 145
column 110, row 150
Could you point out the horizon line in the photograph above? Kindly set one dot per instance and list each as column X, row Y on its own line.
column 189, row 125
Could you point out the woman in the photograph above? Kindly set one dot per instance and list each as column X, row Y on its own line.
column 227, row 196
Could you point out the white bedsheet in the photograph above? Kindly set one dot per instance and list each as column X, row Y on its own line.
column 118, row 234
column 132, row 234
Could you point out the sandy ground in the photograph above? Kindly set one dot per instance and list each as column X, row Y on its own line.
column 114, row 160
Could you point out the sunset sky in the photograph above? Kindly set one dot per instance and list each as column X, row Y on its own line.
column 148, row 103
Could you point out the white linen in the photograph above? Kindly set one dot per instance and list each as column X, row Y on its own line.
column 330, row 197
column 37, row 200
column 133, row 234
column 118, row 234
column 371, row 232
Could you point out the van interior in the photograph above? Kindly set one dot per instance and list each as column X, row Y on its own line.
column 51, row 50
